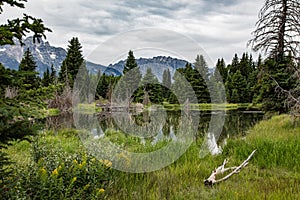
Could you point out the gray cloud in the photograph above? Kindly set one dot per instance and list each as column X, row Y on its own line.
column 221, row 27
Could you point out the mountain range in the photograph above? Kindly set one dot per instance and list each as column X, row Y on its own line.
column 46, row 55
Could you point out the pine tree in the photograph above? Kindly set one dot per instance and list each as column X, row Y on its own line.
column 151, row 85
column 277, row 32
column 166, row 83
column 238, row 91
column 130, row 62
column 73, row 61
column 221, row 68
column 46, row 78
column 129, row 83
column 27, row 71
column 14, row 123
column 199, row 79
column 53, row 76
column 234, row 65
column 19, row 27
column 268, row 82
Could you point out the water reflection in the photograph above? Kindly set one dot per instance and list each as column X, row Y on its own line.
column 150, row 127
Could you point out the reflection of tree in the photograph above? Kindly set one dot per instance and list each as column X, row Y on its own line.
column 64, row 120
column 238, row 123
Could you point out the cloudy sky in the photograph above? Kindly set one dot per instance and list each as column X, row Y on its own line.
column 220, row 27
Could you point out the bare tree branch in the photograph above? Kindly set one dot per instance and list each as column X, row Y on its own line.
column 211, row 180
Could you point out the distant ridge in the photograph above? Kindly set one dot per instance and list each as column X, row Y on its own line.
column 46, row 55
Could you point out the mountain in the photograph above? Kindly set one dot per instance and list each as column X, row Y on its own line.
column 44, row 55
column 157, row 64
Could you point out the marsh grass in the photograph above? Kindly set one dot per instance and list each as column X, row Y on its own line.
column 210, row 106
column 273, row 172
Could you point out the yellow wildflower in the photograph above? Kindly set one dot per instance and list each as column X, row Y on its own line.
column 82, row 164
column 59, row 167
column 107, row 163
column 74, row 179
column 43, row 170
column 75, row 161
column 54, row 172
column 86, row 186
column 101, row 190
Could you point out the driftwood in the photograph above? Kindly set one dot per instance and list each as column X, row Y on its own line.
column 211, row 180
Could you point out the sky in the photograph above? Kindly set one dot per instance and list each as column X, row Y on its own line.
column 215, row 28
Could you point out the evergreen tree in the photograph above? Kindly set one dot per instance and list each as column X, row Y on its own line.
column 269, row 79
column 238, row 86
column 199, row 79
column 18, row 28
column 221, row 68
column 46, row 78
column 14, row 123
column 217, row 82
column 182, row 86
column 53, row 76
column 234, row 65
column 201, row 65
column 152, row 87
column 5, row 77
column 130, row 62
column 73, row 61
column 128, row 85
column 27, row 71
column 277, row 31
column 102, row 87
column 166, row 83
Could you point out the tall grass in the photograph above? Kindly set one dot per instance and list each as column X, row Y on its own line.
column 273, row 172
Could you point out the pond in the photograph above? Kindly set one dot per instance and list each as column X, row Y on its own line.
column 157, row 125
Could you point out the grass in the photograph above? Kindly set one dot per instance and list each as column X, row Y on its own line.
column 87, row 108
column 210, row 106
column 273, row 172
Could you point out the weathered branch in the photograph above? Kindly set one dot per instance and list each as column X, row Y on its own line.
column 211, row 180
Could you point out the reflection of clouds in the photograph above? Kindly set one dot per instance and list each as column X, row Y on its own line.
column 212, row 145
column 97, row 133
column 172, row 135
column 158, row 137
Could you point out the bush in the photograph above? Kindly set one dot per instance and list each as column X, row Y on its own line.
column 57, row 174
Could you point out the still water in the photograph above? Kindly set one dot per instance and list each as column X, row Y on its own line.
column 164, row 124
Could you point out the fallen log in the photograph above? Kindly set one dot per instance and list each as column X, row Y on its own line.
column 211, row 180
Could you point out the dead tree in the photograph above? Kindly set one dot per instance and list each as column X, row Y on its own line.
column 277, row 30
column 211, row 180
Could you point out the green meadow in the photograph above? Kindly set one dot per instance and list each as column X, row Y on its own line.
column 57, row 165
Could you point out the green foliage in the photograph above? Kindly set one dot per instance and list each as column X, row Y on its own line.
column 130, row 62
column 197, row 78
column 55, row 173
column 241, row 79
column 105, row 85
column 221, row 68
column 274, row 178
column 151, row 88
column 27, row 74
column 129, row 83
column 46, row 78
column 273, row 74
column 166, row 84
column 18, row 28
column 73, row 61
column 238, row 83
